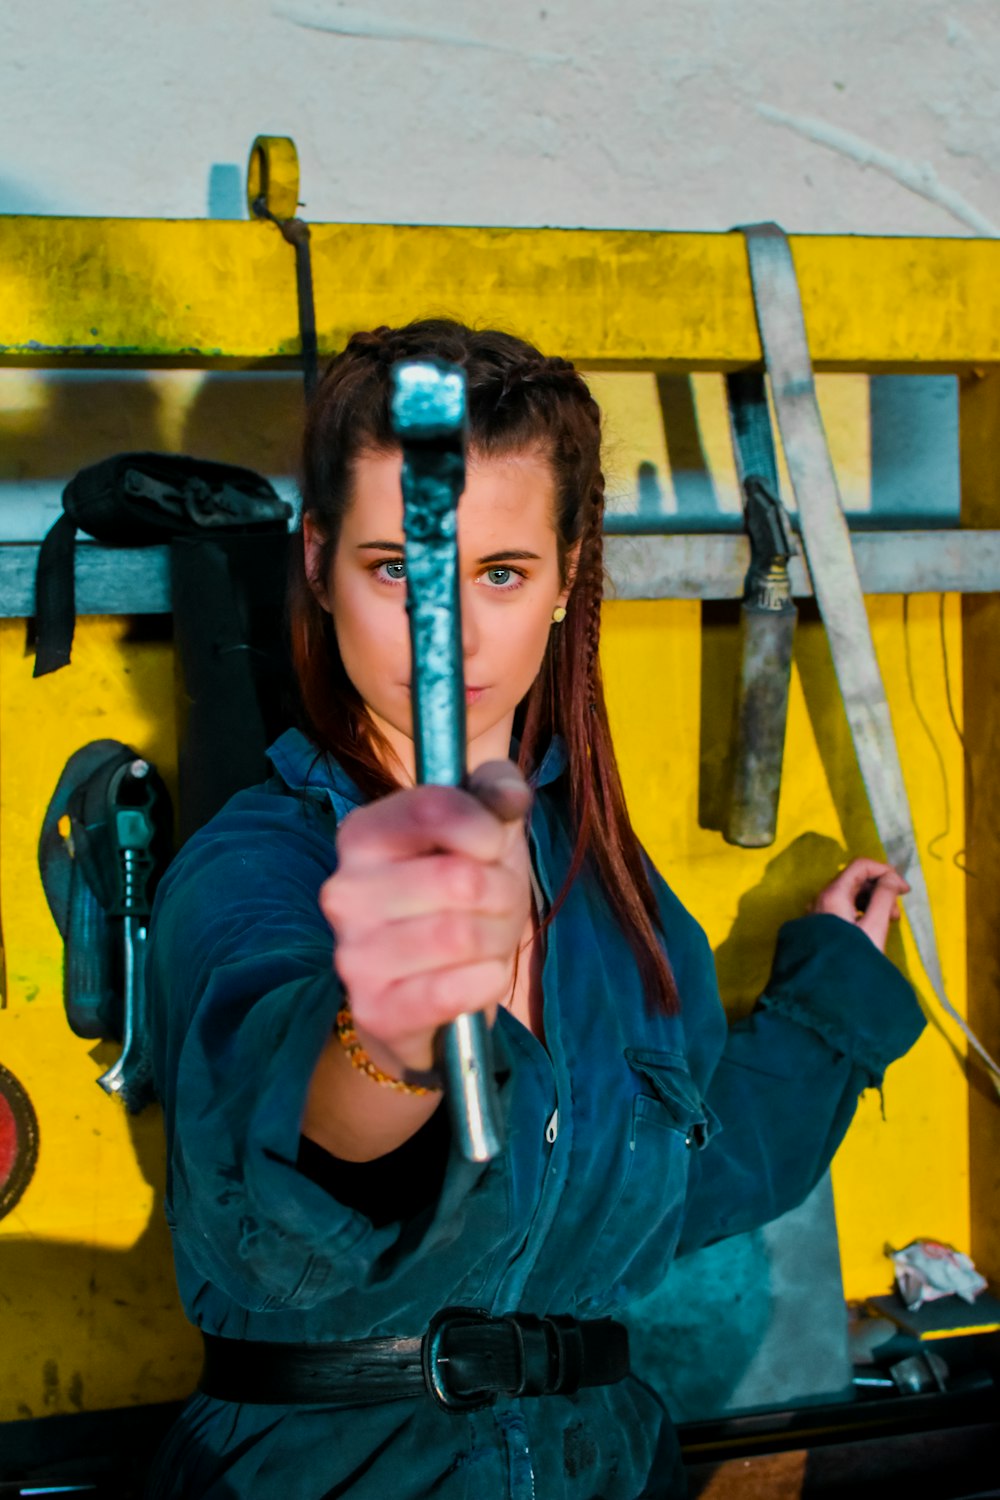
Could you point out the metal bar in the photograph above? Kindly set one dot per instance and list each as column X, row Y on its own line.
column 685, row 565
column 213, row 293
column 712, row 566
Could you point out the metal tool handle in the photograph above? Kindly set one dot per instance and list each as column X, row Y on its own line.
column 767, row 623
column 429, row 417
column 766, row 640
column 131, row 798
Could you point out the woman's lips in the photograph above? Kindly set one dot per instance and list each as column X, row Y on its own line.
column 472, row 694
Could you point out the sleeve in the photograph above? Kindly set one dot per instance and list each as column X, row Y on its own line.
column 243, row 997
column 834, row 1014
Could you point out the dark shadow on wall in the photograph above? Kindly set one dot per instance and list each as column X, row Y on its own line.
column 19, row 198
column 253, row 418
column 720, row 667
column 121, row 1305
column 791, row 881
column 692, row 480
column 84, row 418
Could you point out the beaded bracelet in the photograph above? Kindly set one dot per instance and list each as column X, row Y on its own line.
column 415, row 1083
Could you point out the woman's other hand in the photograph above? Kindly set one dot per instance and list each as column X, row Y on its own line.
column 867, row 894
column 428, row 906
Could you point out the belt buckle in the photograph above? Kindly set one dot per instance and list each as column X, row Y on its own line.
column 435, row 1362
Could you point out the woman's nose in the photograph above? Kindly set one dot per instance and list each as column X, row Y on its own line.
column 470, row 625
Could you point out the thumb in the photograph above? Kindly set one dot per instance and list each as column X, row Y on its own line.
column 499, row 785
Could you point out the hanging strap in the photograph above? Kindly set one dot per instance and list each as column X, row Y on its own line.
column 837, row 588
column 296, row 233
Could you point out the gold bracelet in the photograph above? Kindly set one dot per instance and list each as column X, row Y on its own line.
column 415, row 1083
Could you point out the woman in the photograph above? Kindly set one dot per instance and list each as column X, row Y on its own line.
column 311, row 940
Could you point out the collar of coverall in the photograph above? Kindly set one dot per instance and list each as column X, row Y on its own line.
column 303, row 767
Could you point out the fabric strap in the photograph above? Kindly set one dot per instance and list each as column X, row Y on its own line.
column 837, row 587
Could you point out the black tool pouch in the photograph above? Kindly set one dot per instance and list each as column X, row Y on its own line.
column 138, row 500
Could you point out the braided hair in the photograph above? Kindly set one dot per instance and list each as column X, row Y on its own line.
column 519, row 400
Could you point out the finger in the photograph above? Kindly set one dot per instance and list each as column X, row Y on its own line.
column 419, row 945
column 500, row 786
column 875, row 921
column 437, row 997
column 860, row 871
column 360, row 899
column 419, row 820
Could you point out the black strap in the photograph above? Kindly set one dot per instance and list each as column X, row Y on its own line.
column 296, row 233
column 234, row 664
column 55, row 598
column 464, row 1361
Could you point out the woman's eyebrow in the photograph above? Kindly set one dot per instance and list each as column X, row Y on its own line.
column 380, row 547
column 511, row 554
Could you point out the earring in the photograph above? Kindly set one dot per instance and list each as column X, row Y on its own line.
column 558, row 615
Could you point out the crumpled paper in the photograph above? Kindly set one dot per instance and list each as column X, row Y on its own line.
column 927, row 1270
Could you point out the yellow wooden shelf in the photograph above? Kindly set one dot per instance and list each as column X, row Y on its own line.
column 216, row 293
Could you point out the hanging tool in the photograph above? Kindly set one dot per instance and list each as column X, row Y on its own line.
column 273, row 193
column 767, row 623
column 830, row 557
column 429, row 416
column 105, row 842
column 131, row 817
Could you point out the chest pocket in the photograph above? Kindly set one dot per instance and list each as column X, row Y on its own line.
column 674, row 1102
column 668, row 1121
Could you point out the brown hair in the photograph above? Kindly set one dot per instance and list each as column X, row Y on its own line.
column 518, row 400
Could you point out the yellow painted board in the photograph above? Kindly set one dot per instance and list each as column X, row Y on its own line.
column 904, row 1175
column 91, row 1317
column 214, row 292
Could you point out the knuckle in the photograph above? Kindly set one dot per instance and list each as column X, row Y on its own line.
column 333, row 897
column 451, row 933
column 352, row 964
column 466, row 881
column 432, row 805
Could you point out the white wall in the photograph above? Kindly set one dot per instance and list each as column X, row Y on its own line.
column 878, row 116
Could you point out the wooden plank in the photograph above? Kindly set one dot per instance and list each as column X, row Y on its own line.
column 216, row 293
column 109, row 581
column 979, row 432
column 682, row 565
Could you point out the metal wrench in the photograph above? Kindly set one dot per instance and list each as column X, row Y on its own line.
column 429, row 416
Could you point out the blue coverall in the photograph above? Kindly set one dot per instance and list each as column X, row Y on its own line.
column 629, row 1136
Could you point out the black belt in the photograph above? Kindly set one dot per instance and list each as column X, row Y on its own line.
column 465, row 1360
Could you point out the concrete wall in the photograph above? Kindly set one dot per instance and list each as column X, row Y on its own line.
column 876, row 116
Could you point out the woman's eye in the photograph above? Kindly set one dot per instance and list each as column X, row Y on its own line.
column 393, row 572
column 499, row 577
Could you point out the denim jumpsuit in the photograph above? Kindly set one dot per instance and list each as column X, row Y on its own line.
column 630, row 1137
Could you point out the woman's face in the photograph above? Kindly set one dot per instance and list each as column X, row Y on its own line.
column 509, row 582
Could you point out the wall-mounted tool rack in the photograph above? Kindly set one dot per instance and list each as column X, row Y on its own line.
column 135, row 294
column 132, row 293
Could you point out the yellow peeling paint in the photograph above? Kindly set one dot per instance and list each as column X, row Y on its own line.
column 204, row 292
column 907, row 1175
column 90, row 1311
column 90, row 1316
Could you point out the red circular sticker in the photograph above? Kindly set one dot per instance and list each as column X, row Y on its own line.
column 18, row 1141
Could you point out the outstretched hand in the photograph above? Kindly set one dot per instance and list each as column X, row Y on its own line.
column 428, row 906
column 867, row 894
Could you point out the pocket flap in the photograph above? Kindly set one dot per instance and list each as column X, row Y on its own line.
column 674, row 1087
